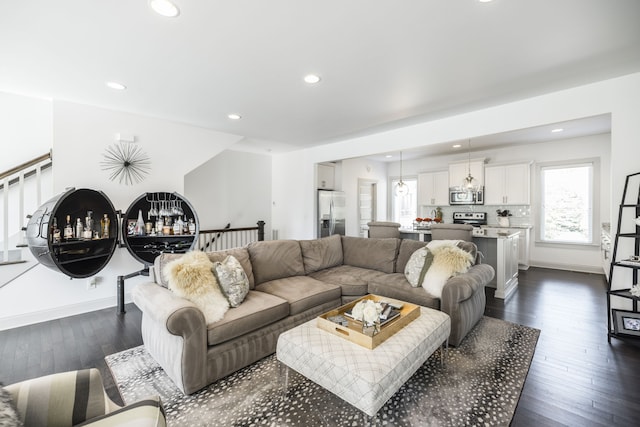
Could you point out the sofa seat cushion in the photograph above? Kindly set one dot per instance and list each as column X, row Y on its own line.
column 257, row 310
column 374, row 254
column 275, row 259
column 302, row 292
column 352, row 280
column 320, row 254
column 396, row 286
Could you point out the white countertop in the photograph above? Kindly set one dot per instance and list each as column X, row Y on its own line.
column 487, row 233
column 510, row 226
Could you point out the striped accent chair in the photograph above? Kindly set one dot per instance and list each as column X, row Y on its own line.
column 78, row 398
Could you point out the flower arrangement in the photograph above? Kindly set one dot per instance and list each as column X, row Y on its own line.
column 503, row 213
column 367, row 311
column 635, row 290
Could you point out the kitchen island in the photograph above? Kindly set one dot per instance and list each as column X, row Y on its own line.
column 499, row 248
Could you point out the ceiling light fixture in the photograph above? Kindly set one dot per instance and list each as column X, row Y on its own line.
column 457, row 146
column 165, row 8
column 312, row 79
column 234, row 116
column 115, row 85
column 402, row 189
column 557, row 130
column 485, row 1
column 469, row 183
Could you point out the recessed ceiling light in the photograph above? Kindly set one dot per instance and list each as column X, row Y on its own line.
column 557, row 130
column 388, row 156
column 457, row 146
column 311, row 78
column 234, row 116
column 116, row 85
column 484, row 1
column 164, row 8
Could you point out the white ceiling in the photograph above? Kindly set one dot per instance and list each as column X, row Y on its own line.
column 383, row 63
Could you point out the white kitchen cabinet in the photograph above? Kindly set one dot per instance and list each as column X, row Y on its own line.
column 326, row 177
column 507, row 184
column 523, row 246
column 507, row 271
column 433, row 188
column 460, row 170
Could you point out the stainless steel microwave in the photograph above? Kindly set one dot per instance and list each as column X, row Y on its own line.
column 465, row 197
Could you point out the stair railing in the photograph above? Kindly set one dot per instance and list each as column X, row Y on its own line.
column 229, row 238
column 8, row 179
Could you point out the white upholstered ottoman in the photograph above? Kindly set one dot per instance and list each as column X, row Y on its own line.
column 364, row 378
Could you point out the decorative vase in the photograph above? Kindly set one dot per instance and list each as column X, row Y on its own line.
column 370, row 329
column 503, row 221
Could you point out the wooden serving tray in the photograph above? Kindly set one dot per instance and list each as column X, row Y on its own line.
column 353, row 332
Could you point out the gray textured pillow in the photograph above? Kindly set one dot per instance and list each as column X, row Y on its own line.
column 232, row 280
column 8, row 414
column 417, row 266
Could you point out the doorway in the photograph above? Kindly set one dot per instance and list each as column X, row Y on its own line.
column 367, row 203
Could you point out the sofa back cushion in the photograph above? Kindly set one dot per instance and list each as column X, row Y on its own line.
column 375, row 254
column 320, row 254
column 241, row 254
column 407, row 248
column 275, row 259
column 471, row 248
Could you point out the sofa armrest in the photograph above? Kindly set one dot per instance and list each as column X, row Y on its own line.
column 462, row 287
column 174, row 333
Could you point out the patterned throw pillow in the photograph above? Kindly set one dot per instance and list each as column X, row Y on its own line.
column 8, row 413
column 232, row 280
column 417, row 266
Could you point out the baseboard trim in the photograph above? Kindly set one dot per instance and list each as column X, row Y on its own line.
column 568, row 267
column 60, row 312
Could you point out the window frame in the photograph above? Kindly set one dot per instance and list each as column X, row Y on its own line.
column 594, row 163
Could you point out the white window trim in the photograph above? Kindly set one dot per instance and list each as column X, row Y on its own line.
column 595, row 208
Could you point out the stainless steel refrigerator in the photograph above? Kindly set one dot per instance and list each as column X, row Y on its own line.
column 331, row 213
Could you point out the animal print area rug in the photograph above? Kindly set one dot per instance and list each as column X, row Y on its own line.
column 479, row 384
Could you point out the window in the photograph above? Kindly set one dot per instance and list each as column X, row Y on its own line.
column 404, row 209
column 567, row 200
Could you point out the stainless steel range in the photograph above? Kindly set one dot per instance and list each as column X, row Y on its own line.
column 474, row 218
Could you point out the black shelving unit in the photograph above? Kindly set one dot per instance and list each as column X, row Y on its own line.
column 624, row 323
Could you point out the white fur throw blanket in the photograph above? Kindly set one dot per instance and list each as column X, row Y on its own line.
column 448, row 260
column 191, row 277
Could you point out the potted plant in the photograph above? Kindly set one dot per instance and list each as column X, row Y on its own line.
column 503, row 217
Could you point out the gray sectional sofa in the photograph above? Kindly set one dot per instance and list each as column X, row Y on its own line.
column 291, row 282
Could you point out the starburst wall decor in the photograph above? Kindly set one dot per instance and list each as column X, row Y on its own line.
column 126, row 162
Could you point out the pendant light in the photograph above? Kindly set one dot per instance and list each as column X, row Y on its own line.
column 469, row 183
column 402, row 189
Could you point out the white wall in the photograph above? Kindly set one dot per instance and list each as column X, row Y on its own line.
column 25, row 129
column 620, row 97
column 233, row 187
column 79, row 135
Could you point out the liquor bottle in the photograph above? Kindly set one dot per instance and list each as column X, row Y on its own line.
column 68, row 229
column 192, row 227
column 79, row 229
column 56, row 231
column 140, row 224
column 89, row 222
column 105, row 222
column 177, row 226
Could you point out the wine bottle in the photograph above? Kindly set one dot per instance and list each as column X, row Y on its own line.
column 140, row 224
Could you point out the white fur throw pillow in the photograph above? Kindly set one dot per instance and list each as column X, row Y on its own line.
column 448, row 260
column 191, row 277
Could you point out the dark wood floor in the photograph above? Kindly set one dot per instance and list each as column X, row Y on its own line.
column 576, row 378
